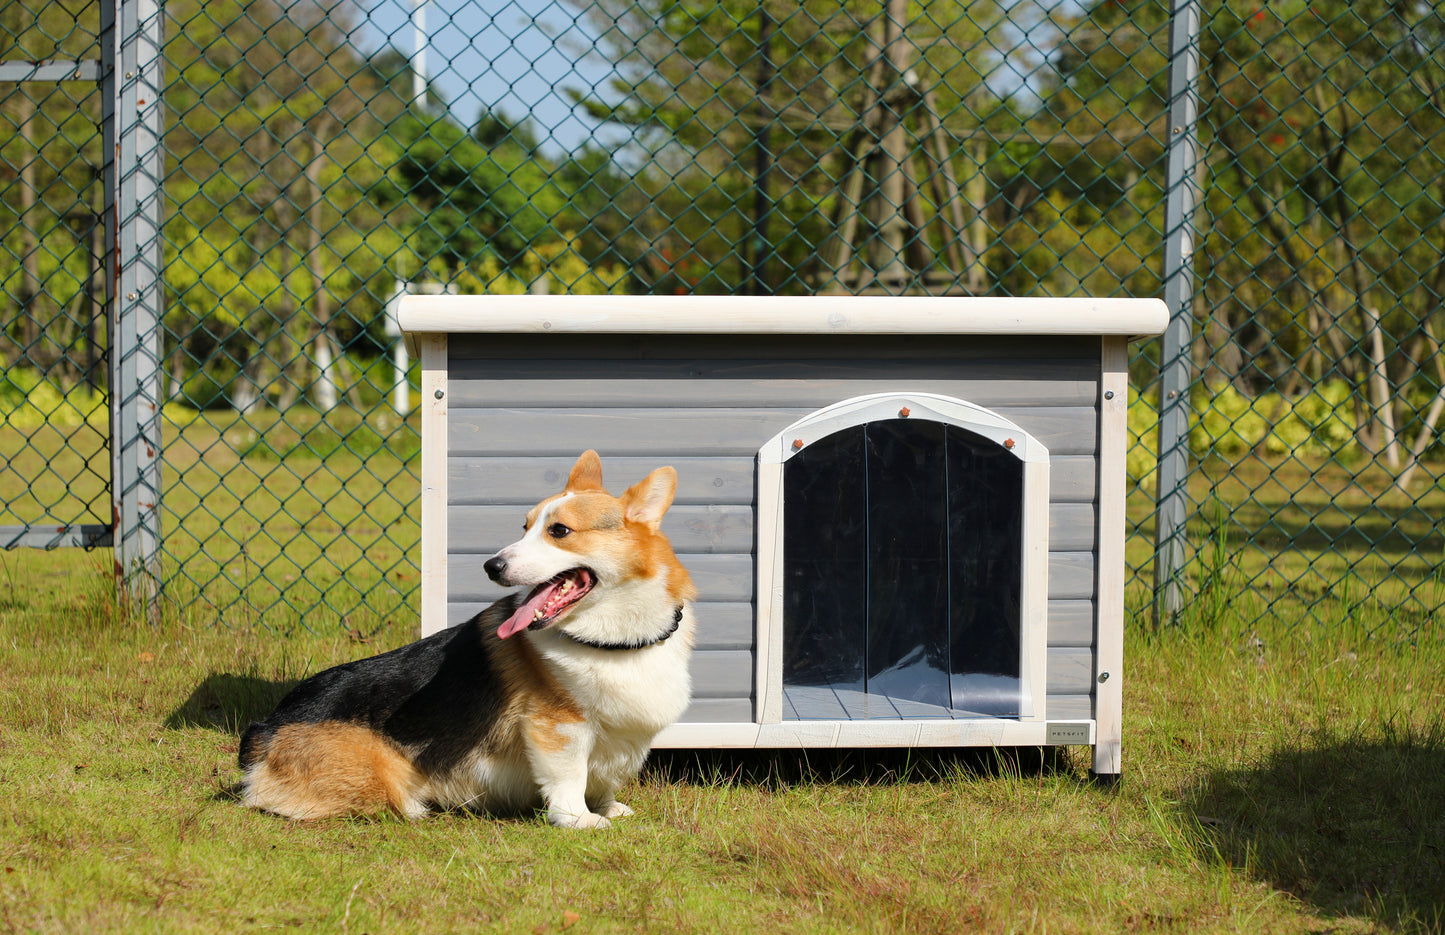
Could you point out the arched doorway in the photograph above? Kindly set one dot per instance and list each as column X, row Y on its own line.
column 902, row 586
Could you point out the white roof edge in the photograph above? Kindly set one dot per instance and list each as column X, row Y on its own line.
column 715, row 314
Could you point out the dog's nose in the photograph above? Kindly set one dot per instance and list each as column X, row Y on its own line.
column 495, row 567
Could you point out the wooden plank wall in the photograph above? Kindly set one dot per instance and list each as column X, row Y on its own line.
column 522, row 407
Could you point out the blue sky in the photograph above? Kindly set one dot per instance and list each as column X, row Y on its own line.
column 508, row 55
column 518, row 56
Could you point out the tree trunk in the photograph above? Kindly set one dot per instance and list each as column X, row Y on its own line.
column 1432, row 416
column 978, row 229
column 29, row 228
column 1380, row 398
column 249, row 398
column 293, row 373
column 891, row 159
column 290, row 361
column 319, row 331
column 325, row 357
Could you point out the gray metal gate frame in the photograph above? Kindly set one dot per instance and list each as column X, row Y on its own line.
column 131, row 76
column 1175, row 371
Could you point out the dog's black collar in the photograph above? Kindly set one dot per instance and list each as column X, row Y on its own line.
column 598, row 644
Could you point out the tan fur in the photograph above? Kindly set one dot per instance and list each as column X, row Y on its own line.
column 654, row 551
column 329, row 769
column 539, row 704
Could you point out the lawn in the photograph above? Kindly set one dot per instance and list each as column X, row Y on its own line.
column 1284, row 771
column 1289, row 781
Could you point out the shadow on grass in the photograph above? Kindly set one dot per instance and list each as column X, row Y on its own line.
column 782, row 768
column 228, row 702
column 1350, row 827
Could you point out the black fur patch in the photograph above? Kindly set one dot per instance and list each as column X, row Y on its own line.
column 439, row 696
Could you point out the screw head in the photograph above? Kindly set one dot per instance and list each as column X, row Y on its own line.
column 1008, row 443
column 439, row 394
column 797, row 443
column 1108, row 394
column 904, row 412
column 1103, row 677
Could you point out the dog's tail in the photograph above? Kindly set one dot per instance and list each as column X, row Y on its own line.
column 308, row 770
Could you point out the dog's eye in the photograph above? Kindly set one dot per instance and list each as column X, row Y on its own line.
column 557, row 530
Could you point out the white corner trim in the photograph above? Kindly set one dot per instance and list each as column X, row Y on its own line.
column 712, row 314
column 1034, row 592
column 768, row 620
column 433, row 349
column 1113, row 487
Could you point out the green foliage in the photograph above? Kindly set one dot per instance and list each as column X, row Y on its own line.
column 28, row 401
column 207, row 388
column 1316, row 427
column 555, row 263
column 476, row 200
column 1142, row 459
column 214, row 276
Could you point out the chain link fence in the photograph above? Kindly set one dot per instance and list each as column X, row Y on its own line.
column 320, row 160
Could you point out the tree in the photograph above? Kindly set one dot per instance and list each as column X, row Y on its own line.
column 706, row 86
column 475, row 200
column 1328, row 122
column 1322, row 129
column 274, row 223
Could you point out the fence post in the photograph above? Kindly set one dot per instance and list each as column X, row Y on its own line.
column 1174, row 355
column 132, row 82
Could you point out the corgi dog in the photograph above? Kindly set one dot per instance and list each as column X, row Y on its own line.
column 549, row 698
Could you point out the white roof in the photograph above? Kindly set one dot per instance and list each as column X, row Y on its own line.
column 712, row 314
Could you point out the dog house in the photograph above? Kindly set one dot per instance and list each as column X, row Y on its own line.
column 905, row 515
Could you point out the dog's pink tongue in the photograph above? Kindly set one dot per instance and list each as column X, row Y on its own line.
column 523, row 616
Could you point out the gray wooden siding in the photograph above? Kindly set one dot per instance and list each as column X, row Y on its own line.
column 522, row 407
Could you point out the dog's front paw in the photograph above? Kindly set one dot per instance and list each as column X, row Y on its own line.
column 577, row 822
column 614, row 810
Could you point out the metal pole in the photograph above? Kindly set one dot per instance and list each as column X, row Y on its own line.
column 1174, row 359
column 418, row 55
column 132, row 80
column 400, row 360
column 401, row 386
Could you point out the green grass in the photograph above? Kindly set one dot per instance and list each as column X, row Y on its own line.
column 1287, row 780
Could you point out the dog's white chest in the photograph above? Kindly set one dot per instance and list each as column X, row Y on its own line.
column 646, row 693
column 627, row 692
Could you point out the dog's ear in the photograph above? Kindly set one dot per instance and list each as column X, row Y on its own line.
column 586, row 473
column 646, row 501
